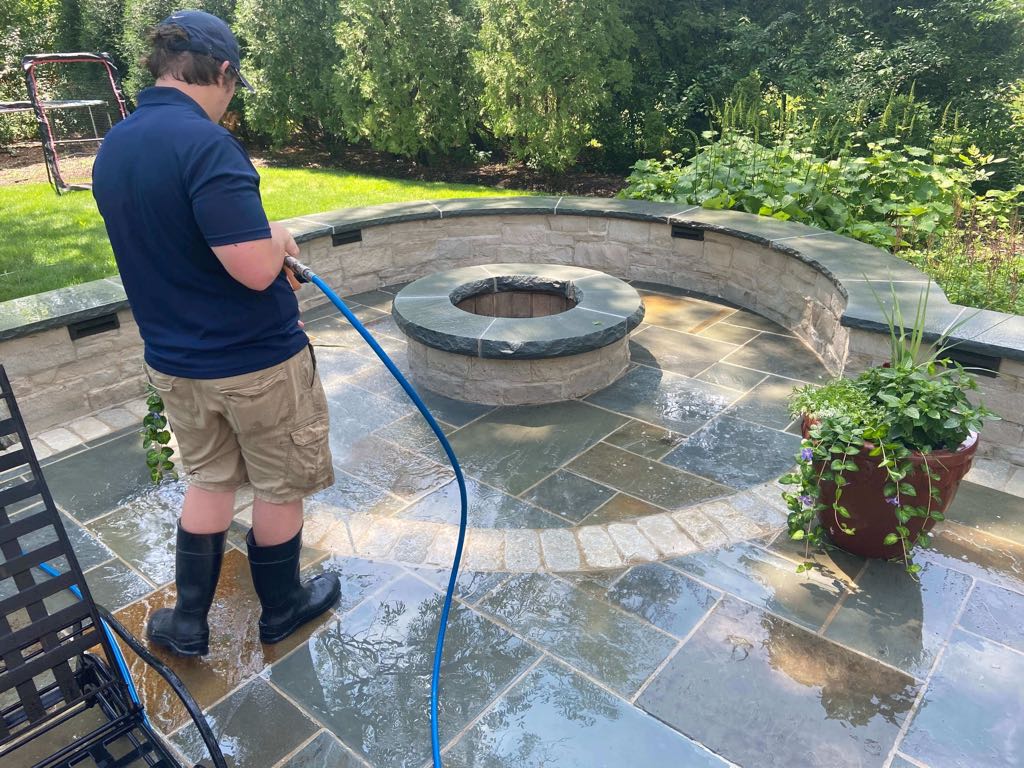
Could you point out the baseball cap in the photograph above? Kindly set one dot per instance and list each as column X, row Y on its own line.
column 210, row 35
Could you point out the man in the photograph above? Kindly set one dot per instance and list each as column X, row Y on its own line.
column 203, row 270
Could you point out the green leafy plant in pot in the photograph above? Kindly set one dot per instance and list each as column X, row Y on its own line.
column 884, row 453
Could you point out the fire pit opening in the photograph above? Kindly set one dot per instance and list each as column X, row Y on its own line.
column 540, row 299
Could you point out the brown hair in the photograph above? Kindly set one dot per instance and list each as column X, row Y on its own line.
column 190, row 67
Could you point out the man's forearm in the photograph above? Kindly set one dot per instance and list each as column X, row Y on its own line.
column 257, row 263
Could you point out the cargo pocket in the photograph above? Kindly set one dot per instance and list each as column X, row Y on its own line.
column 310, row 460
column 262, row 404
column 161, row 381
column 177, row 394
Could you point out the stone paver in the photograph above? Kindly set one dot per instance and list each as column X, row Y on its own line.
column 634, row 546
column 89, row 428
column 442, row 549
column 59, row 439
column 485, row 549
column 701, row 528
column 412, row 546
column 666, row 535
column 522, row 551
column 993, row 473
column 376, row 538
column 118, row 418
column 137, row 407
column 732, row 519
column 561, row 552
column 1015, row 485
column 598, row 549
column 742, row 661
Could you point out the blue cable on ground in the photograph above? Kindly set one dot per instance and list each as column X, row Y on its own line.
column 302, row 272
column 118, row 657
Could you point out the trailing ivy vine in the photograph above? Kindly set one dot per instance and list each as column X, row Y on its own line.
column 155, row 439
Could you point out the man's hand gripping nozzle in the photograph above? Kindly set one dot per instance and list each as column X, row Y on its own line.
column 301, row 271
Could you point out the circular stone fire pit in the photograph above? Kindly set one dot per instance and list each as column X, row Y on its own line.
column 515, row 334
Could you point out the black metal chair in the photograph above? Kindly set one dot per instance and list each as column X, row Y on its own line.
column 57, row 659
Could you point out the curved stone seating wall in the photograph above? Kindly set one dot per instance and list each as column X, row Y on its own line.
column 814, row 282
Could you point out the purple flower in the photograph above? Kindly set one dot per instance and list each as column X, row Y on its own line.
column 892, row 500
column 807, row 454
column 806, row 501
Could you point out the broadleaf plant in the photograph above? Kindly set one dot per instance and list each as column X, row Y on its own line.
column 155, row 439
column 914, row 404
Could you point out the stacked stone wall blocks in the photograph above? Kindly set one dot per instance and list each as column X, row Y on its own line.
column 561, row 238
column 368, row 261
column 467, row 245
column 417, row 353
column 376, row 236
column 517, row 382
column 607, row 257
column 581, row 225
column 627, row 232
column 692, row 250
column 653, row 257
column 717, row 256
column 58, row 380
column 524, row 234
column 870, row 346
column 661, row 237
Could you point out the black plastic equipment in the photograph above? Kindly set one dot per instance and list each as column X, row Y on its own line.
column 58, row 662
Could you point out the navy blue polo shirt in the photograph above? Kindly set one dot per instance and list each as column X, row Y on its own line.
column 170, row 183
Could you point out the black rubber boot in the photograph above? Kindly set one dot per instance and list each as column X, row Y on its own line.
column 287, row 602
column 197, row 561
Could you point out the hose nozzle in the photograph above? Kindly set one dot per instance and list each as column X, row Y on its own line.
column 302, row 273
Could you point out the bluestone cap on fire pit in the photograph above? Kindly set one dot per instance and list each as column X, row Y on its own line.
column 210, row 35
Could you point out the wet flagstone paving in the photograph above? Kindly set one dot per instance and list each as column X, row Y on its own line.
column 675, row 631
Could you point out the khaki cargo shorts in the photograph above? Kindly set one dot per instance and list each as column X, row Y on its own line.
column 269, row 427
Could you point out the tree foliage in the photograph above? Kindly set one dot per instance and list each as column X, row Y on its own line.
column 404, row 82
column 290, row 58
column 548, row 68
column 554, row 81
column 102, row 28
column 26, row 26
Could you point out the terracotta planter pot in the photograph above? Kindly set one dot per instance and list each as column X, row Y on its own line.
column 871, row 516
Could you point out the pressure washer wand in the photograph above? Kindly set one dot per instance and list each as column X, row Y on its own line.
column 305, row 274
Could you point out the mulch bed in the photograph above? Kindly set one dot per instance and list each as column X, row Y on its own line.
column 500, row 175
column 24, row 165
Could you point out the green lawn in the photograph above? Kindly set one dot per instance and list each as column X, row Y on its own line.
column 49, row 242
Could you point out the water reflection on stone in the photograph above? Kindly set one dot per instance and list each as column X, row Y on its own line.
column 971, row 712
column 806, row 701
column 581, row 629
column 898, row 618
column 143, row 531
column 555, row 717
column 367, row 675
column 765, row 579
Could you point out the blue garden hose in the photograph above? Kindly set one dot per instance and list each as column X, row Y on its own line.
column 304, row 273
column 118, row 657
